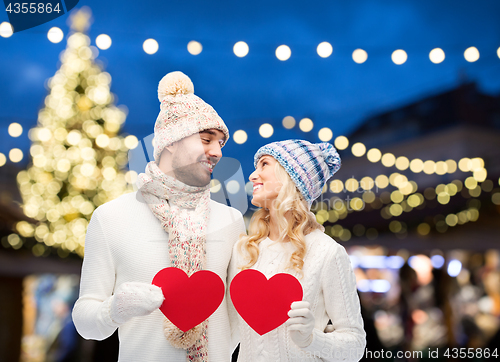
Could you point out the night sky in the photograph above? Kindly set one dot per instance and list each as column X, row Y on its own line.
column 334, row 92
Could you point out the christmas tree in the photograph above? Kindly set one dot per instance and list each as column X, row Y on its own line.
column 77, row 156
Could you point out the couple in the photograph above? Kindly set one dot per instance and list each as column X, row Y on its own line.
column 171, row 222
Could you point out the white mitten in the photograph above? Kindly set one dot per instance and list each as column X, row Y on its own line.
column 300, row 324
column 134, row 299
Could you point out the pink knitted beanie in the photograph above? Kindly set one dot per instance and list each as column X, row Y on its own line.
column 182, row 113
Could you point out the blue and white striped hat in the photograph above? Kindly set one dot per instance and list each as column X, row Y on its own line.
column 309, row 165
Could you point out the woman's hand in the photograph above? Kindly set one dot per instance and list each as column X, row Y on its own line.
column 300, row 324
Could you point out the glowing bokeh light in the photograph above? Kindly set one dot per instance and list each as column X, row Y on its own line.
column 288, row 122
column 402, row 163
column 131, row 142
column 358, row 149
column 55, row 35
column 324, row 49
column 382, row 181
column 240, row 49
column 437, row 261
column 266, row 130
column 150, row 46
column 103, row 41
column 388, row 159
column 437, row 55
column 399, row 57
column 374, row 155
column 194, row 47
column 454, row 268
column 306, row 124
column 6, row 30
column 283, row 52
column 471, row 54
column 341, row 142
column 215, row 186
column 240, row 137
column 15, row 129
column 325, row 134
column 15, row 155
column 359, row 56
column 380, row 286
column 233, row 187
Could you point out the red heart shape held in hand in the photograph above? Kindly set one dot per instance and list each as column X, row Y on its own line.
column 262, row 303
column 189, row 300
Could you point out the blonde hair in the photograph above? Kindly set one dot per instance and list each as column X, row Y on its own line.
column 294, row 219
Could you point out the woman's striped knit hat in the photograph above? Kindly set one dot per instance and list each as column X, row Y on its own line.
column 309, row 165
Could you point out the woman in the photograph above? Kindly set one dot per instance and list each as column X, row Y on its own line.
column 284, row 236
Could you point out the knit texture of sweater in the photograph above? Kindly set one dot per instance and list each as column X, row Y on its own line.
column 125, row 242
column 329, row 285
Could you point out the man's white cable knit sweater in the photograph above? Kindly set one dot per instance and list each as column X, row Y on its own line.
column 125, row 242
column 329, row 286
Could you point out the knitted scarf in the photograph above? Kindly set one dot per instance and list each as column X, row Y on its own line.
column 184, row 212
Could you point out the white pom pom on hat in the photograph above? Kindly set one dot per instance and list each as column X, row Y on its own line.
column 174, row 83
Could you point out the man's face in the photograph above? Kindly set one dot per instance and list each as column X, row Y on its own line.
column 194, row 157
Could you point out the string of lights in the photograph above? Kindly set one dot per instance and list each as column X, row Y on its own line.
column 441, row 223
column 401, row 201
column 241, row 49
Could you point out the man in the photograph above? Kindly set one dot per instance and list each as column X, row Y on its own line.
column 169, row 222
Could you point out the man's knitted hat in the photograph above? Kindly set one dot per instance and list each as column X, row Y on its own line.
column 182, row 113
column 309, row 165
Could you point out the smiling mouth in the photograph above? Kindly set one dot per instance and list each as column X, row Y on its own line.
column 207, row 165
column 257, row 187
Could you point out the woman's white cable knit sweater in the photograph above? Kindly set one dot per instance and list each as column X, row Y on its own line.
column 125, row 242
column 329, row 286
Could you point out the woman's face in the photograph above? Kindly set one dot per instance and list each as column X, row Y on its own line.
column 266, row 186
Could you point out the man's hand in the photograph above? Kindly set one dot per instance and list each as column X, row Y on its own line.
column 300, row 324
column 134, row 299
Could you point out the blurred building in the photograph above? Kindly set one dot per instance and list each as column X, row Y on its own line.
column 424, row 239
column 460, row 124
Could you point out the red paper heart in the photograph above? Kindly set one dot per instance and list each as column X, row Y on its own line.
column 189, row 300
column 262, row 303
